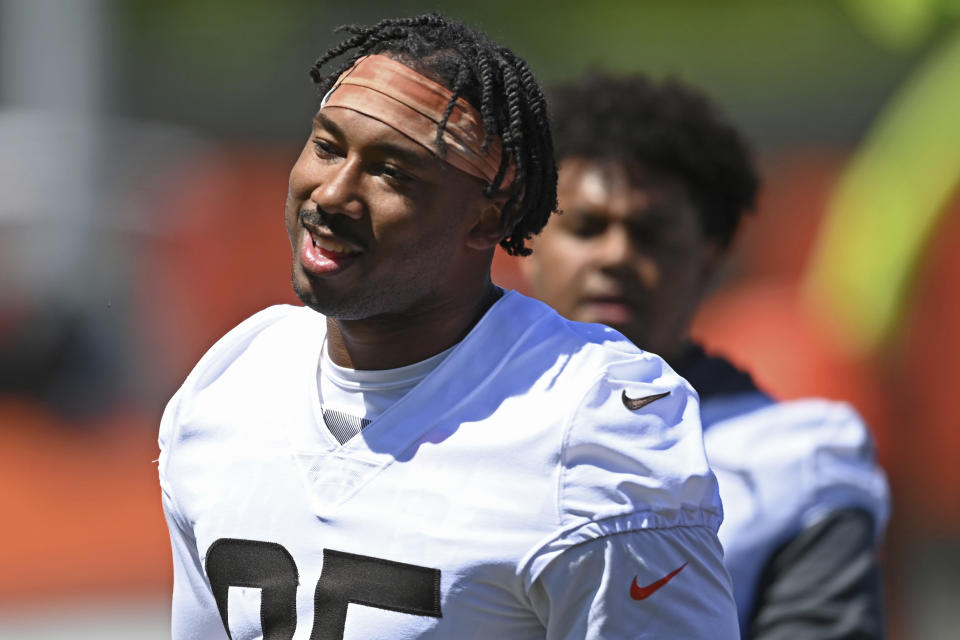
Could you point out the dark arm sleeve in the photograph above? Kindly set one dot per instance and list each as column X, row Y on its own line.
column 823, row 584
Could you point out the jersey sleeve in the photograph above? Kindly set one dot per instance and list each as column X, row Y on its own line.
column 637, row 553
column 843, row 471
column 194, row 611
column 805, row 460
column 824, row 583
column 657, row 583
column 787, row 470
column 634, row 445
column 214, row 362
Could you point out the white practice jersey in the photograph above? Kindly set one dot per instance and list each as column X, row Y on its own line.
column 783, row 467
column 512, row 494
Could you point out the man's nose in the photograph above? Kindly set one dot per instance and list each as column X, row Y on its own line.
column 617, row 248
column 338, row 189
column 620, row 254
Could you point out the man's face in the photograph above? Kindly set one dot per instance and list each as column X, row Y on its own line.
column 628, row 251
column 376, row 222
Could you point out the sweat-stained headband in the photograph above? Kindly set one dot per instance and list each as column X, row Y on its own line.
column 398, row 96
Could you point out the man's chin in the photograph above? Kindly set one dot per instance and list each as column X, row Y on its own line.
column 351, row 307
column 310, row 298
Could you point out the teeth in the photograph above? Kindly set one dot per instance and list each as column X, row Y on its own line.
column 330, row 245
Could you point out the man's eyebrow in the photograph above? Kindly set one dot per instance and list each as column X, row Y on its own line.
column 323, row 121
column 404, row 155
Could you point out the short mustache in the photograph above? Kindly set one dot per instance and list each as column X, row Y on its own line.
column 316, row 217
column 335, row 223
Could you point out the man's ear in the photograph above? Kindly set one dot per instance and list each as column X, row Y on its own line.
column 488, row 228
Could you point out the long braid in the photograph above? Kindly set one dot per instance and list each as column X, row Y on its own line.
column 542, row 173
column 510, row 101
column 358, row 40
column 463, row 75
column 488, row 79
column 515, row 128
column 486, row 96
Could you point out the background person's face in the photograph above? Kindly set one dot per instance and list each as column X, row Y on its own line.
column 627, row 251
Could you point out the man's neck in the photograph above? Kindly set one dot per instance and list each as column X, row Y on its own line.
column 397, row 340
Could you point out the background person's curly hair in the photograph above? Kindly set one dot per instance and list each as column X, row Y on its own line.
column 667, row 127
column 491, row 78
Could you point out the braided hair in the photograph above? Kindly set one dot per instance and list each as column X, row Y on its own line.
column 666, row 127
column 491, row 78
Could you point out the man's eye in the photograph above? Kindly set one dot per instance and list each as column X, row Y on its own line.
column 588, row 227
column 324, row 149
column 395, row 175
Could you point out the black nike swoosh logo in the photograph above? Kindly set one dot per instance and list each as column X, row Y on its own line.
column 638, row 403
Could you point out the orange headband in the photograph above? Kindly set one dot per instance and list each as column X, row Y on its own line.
column 398, row 96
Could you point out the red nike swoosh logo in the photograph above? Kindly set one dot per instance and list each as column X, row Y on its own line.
column 642, row 593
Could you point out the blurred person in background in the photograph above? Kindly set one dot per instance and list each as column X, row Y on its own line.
column 459, row 460
column 653, row 183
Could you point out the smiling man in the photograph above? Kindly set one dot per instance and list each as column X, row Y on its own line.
column 653, row 184
column 416, row 453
